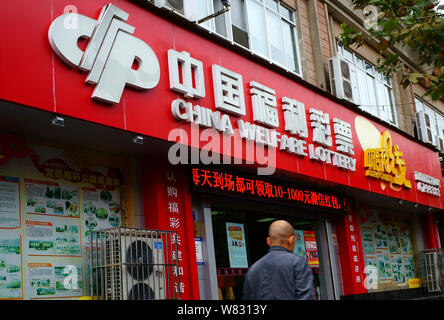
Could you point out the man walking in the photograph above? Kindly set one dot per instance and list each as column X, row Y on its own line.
column 280, row 274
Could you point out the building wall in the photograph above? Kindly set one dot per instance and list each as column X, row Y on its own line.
column 308, row 64
column 404, row 97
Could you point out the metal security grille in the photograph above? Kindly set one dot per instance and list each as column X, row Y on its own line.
column 132, row 264
column 431, row 263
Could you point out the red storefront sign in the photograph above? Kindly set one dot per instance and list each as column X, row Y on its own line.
column 230, row 183
column 331, row 149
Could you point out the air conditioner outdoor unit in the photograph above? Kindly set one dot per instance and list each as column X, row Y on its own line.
column 142, row 274
column 343, row 79
column 176, row 5
column 133, row 264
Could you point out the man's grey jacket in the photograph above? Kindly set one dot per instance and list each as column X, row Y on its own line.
column 279, row 275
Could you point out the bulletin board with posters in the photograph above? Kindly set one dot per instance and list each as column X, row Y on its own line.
column 51, row 197
column 388, row 246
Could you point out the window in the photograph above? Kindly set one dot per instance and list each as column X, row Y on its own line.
column 266, row 27
column 375, row 92
column 430, row 124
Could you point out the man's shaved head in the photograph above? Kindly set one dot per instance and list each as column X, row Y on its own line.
column 279, row 232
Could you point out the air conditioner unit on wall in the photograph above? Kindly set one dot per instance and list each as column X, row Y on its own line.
column 142, row 274
column 176, row 5
column 343, row 80
column 133, row 264
column 187, row 8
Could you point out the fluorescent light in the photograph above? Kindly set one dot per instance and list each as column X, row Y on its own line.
column 266, row 220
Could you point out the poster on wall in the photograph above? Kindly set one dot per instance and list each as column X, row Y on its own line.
column 406, row 244
column 394, row 243
column 101, row 209
column 10, row 265
column 371, row 271
column 397, row 268
column 299, row 247
column 393, row 246
column 381, row 237
column 409, row 267
column 55, row 280
column 51, row 198
column 384, row 267
column 46, row 238
column 237, row 250
column 41, row 215
column 9, row 202
column 311, row 249
column 367, row 241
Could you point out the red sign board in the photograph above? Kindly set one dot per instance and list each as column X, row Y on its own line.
column 229, row 183
column 54, row 86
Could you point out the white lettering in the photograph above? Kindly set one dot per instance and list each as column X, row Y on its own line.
column 331, row 157
column 257, row 133
column 185, row 111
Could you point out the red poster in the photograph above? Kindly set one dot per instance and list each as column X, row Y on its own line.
column 311, row 249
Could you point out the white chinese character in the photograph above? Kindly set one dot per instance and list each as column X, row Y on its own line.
column 343, row 136
column 172, row 192
column 174, row 223
column 228, row 91
column 190, row 69
column 350, row 217
column 264, row 104
column 173, row 239
column 173, row 207
column 170, row 176
column 177, row 271
column 179, row 255
column 358, row 279
column 355, row 258
column 354, row 249
column 352, row 229
column 182, row 287
column 356, row 269
column 320, row 122
column 294, row 116
column 352, row 237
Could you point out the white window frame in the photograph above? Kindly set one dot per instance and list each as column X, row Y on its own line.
column 378, row 81
column 436, row 121
column 228, row 30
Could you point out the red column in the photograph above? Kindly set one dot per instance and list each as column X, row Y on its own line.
column 431, row 234
column 351, row 254
column 167, row 206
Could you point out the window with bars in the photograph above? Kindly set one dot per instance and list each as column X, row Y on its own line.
column 266, row 27
column 375, row 91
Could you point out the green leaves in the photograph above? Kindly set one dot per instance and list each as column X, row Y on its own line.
column 405, row 23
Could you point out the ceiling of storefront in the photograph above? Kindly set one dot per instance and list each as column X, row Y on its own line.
column 31, row 122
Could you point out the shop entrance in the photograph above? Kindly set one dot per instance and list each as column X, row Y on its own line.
column 240, row 229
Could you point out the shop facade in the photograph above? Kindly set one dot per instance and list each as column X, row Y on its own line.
column 151, row 124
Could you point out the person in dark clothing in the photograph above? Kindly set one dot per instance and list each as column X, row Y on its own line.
column 280, row 274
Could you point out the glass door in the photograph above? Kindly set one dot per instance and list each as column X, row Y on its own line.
column 240, row 240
